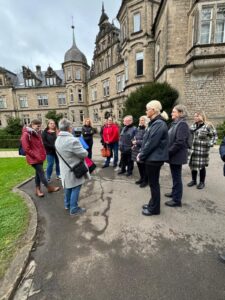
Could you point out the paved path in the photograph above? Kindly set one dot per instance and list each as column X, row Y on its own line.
column 114, row 253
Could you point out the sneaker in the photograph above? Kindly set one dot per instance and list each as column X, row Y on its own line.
column 116, row 169
column 78, row 211
column 67, row 207
column 58, row 177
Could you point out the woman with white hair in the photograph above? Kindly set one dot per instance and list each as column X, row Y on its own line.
column 69, row 149
column 178, row 152
column 154, row 152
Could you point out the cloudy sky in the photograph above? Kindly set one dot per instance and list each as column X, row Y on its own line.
column 38, row 32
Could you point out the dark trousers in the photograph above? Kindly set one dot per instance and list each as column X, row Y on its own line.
column 90, row 145
column 202, row 174
column 153, row 172
column 141, row 169
column 40, row 175
column 126, row 161
column 177, row 189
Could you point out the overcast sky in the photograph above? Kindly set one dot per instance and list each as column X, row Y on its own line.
column 38, row 32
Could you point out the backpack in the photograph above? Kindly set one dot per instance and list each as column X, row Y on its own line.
column 21, row 150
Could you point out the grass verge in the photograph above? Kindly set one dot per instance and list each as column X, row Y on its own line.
column 14, row 214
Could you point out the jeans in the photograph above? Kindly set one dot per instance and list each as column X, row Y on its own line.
column 71, row 197
column 114, row 149
column 51, row 158
column 153, row 172
column 177, row 190
column 40, row 175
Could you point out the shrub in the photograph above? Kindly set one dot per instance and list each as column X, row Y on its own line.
column 136, row 102
column 221, row 130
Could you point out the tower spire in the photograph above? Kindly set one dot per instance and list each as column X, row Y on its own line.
column 74, row 42
column 103, row 8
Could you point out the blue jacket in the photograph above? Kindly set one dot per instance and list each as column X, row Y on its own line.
column 155, row 142
column 178, row 142
column 126, row 136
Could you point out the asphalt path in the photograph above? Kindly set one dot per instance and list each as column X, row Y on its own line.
column 112, row 252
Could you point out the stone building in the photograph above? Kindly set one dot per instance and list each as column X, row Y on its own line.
column 180, row 42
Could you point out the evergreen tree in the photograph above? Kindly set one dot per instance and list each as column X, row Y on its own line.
column 54, row 116
column 135, row 104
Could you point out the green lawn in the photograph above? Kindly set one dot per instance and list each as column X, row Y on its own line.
column 8, row 149
column 14, row 215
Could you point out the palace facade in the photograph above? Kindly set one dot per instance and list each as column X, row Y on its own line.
column 174, row 41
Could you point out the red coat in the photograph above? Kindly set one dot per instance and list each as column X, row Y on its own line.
column 33, row 146
column 110, row 134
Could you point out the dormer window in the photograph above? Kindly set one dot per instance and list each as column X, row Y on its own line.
column 30, row 82
column 51, row 81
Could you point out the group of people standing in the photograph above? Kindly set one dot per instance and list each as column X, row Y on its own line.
column 150, row 145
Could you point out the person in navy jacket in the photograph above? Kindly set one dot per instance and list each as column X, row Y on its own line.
column 154, row 152
column 178, row 152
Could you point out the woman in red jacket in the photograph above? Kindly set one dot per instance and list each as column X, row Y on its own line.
column 35, row 155
column 110, row 138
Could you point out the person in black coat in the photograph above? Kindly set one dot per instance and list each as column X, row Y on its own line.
column 154, row 152
column 137, row 142
column 178, row 153
column 222, row 155
column 87, row 133
column 49, row 136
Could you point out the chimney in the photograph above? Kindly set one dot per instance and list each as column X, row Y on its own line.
column 38, row 70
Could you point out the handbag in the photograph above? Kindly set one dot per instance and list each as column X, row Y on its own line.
column 91, row 165
column 79, row 169
column 105, row 152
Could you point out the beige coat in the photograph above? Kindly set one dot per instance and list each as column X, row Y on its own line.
column 73, row 152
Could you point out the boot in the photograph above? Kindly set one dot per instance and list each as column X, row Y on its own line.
column 38, row 192
column 52, row 189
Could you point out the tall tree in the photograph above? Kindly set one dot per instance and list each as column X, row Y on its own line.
column 136, row 102
column 54, row 116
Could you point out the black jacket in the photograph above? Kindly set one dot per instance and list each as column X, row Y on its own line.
column 155, row 142
column 87, row 132
column 126, row 136
column 222, row 153
column 49, row 141
column 178, row 142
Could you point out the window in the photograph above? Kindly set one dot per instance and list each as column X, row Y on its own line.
column 23, row 101
column 3, row 102
column 106, row 88
column 94, row 93
column 77, row 75
column 69, row 77
column 65, row 115
column 73, row 115
column 42, row 100
column 139, row 63
column 120, row 114
column 26, row 119
column 157, row 56
column 29, row 82
column 206, row 25
column 51, row 81
column 95, row 115
column 120, row 83
column 1, row 81
column 81, row 116
column 126, row 68
column 137, row 22
column 71, row 96
column 80, row 97
column 123, row 31
column 61, row 99
column 209, row 24
column 220, row 25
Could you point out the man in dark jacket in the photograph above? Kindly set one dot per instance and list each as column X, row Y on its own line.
column 222, row 155
column 154, row 152
column 125, row 144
